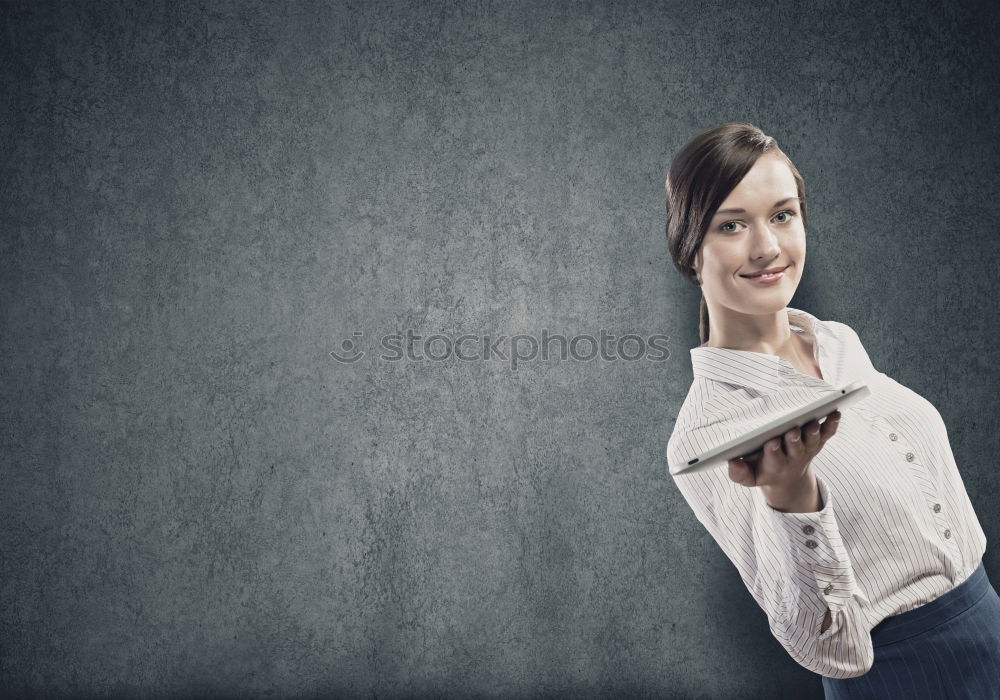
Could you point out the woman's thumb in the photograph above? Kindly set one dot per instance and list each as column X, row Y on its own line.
column 740, row 472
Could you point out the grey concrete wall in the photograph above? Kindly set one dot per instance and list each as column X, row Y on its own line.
column 200, row 201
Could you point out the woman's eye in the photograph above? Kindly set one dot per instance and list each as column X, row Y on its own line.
column 731, row 226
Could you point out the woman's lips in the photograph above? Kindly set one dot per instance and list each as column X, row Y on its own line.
column 767, row 279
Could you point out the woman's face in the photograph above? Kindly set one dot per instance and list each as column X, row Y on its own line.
column 767, row 233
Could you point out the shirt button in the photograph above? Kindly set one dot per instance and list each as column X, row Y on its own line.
column 808, row 529
column 937, row 507
column 811, row 544
column 828, row 589
column 947, row 534
column 909, row 456
column 893, row 437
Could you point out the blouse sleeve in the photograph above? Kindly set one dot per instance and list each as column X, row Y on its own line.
column 794, row 565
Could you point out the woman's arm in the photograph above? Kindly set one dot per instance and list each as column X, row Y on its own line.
column 801, row 497
column 793, row 563
column 805, row 500
column 824, row 624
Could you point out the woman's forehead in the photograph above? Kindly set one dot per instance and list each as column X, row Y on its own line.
column 762, row 187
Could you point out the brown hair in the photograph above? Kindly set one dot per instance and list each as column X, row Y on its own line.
column 702, row 174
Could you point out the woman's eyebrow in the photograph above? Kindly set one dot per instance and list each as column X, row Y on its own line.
column 743, row 211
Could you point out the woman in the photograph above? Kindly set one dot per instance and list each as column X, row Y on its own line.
column 855, row 535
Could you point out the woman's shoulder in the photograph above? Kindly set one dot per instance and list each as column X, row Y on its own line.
column 711, row 407
column 851, row 348
column 700, row 394
column 840, row 329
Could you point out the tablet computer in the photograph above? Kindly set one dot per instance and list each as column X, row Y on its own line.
column 752, row 442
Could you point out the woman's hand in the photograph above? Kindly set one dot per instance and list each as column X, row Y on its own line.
column 784, row 461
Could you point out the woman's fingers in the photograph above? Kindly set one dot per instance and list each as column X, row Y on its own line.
column 815, row 434
column 800, row 446
column 741, row 473
column 811, row 440
column 772, row 460
column 829, row 426
column 793, row 444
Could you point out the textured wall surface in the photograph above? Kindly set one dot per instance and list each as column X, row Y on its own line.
column 201, row 201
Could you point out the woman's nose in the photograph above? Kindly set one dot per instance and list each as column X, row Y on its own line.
column 765, row 243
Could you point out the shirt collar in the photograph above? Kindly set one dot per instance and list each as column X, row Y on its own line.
column 757, row 370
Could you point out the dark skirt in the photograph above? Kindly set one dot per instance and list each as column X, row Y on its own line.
column 948, row 648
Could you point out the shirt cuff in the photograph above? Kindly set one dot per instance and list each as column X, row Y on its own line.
column 812, row 546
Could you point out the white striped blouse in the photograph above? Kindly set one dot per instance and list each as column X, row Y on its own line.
column 896, row 529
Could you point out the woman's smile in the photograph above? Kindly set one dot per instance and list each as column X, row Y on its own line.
column 766, row 278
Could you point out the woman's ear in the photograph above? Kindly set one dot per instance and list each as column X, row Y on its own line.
column 695, row 264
